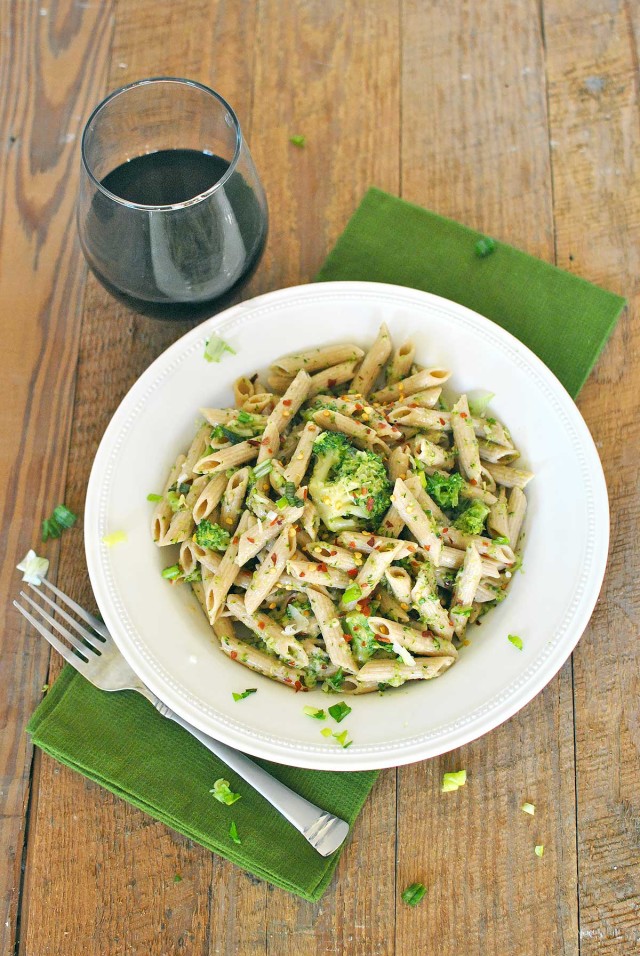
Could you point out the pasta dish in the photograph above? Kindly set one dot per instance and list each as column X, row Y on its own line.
column 347, row 522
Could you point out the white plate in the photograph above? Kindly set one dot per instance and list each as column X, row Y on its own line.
column 161, row 630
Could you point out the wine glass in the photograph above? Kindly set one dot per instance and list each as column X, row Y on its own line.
column 171, row 214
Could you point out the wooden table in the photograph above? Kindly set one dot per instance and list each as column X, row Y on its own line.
column 519, row 118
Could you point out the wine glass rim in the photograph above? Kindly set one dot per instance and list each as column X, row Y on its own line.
column 200, row 197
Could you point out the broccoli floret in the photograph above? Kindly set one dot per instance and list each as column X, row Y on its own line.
column 471, row 521
column 364, row 642
column 350, row 488
column 445, row 489
column 212, row 536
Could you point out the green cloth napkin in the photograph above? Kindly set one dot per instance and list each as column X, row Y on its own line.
column 563, row 319
column 122, row 743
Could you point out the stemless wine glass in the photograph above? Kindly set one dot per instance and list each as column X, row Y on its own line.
column 171, row 215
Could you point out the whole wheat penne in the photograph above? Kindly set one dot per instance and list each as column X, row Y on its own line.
column 390, row 672
column 232, row 501
column 425, row 600
column 330, row 377
column 326, row 616
column 454, row 557
column 401, row 362
column 398, row 465
column 362, row 435
column 496, row 454
column 299, row 462
column 432, row 455
column 373, row 569
column 498, row 517
column 262, row 663
column 368, row 415
column 400, row 583
column 312, row 360
column 465, row 440
column 421, row 525
column 266, row 575
column 196, row 451
column 427, row 398
column 286, row 647
column 317, row 572
column 163, row 512
column 333, row 555
column 390, row 606
column 516, row 509
column 207, row 558
column 427, row 378
column 366, row 542
column 509, row 477
column 210, row 496
column 286, row 409
column 310, row 520
column 425, row 501
column 243, row 389
column 464, row 592
column 187, row 560
column 417, row 642
column 487, row 547
column 218, row 586
column 260, row 403
column 256, row 535
column 219, row 416
column 226, row 458
column 373, row 362
column 392, row 524
column 182, row 524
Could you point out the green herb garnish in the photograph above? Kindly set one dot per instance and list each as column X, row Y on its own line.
column 334, row 683
column 339, row 711
column 116, row 537
column 222, row 792
column 152, row 497
column 61, row 518
column 501, row 540
column 245, row 693
column 314, row 712
column 264, row 468
column 173, row 572
column 245, row 418
column 413, row 894
column 298, row 140
column 233, row 833
column 177, row 878
column 484, row 247
column 539, row 850
column 289, row 492
column 516, row 641
column 453, row 781
column 352, row 593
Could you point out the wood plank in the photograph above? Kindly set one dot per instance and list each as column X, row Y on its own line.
column 86, row 845
column 52, row 63
column 592, row 60
column 471, row 73
column 328, row 71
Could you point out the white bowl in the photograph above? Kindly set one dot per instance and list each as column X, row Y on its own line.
column 161, row 630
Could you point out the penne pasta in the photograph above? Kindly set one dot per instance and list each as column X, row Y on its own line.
column 314, row 359
column 243, row 389
column 389, row 672
column 330, row 377
column 510, row 477
column 225, row 458
column 464, row 592
column 421, row 525
column 401, row 362
column 373, row 362
column 516, row 510
column 465, row 440
column 426, row 378
column 417, row 642
column 498, row 519
column 363, row 436
column 232, row 500
column 262, row 663
column 266, row 576
column 299, row 462
column 337, row 648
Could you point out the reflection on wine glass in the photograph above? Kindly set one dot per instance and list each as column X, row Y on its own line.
column 171, row 215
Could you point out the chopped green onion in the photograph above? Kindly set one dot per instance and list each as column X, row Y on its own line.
column 177, row 878
column 334, row 683
column 352, row 593
column 528, row 808
column 339, row 711
column 177, row 502
column 33, row 568
column 222, row 792
column 233, row 833
column 326, row 732
column 264, row 468
column 173, row 572
column 500, row 540
column 413, row 894
column 539, row 849
column 314, row 712
column 245, row 693
column 45, row 688
column 61, row 518
column 245, row 418
column 298, row 140
column 215, row 348
column 281, row 503
column 479, row 402
column 152, row 497
column 452, row 781
column 116, row 537
column 289, row 492
column 516, row 641
column 342, row 739
column 484, row 247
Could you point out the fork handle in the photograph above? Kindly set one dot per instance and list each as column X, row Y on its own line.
column 323, row 831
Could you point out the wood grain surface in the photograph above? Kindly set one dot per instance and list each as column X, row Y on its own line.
column 518, row 117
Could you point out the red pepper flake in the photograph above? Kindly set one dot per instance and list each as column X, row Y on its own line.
column 286, row 401
column 322, row 567
column 304, row 494
column 413, row 405
column 426, row 634
column 236, row 539
column 445, row 530
column 253, row 442
column 383, row 640
column 371, row 542
column 427, row 547
column 332, row 382
column 252, row 540
column 261, row 625
column 288, row 680
column 463, row 415
column 297, row 686
column 274, row 558
column 365, row 609
column 370, row 504
column 347, row 638
column 302, row 574
column 442, row 421
column 472, row 481
column 358, row 407
column 353, row 573
column 233, row 655
column 332, row 554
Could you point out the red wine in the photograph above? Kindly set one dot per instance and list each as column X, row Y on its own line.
column 174, row 262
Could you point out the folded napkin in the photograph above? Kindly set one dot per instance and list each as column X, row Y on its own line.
column 122, row 743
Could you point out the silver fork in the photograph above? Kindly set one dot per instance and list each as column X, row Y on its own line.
column 95, row 655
